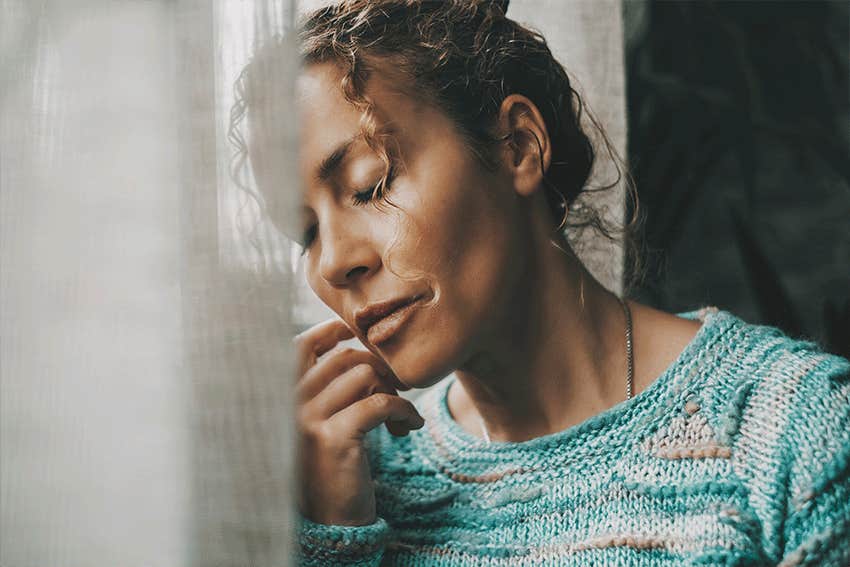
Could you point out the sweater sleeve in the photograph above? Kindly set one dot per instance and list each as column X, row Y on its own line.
column 817, row 525
column 320, row 545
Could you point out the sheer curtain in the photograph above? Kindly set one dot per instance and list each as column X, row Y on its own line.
column 146, row 308
column 145, row 341
column 95, row 441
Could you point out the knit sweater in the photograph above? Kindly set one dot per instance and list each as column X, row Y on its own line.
column 738, row 454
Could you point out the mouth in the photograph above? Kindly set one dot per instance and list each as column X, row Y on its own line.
column 381, row 321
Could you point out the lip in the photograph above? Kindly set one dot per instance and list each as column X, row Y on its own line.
column 379, row 321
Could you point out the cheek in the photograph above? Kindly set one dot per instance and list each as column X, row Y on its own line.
column 480, row 260
column 463, row 239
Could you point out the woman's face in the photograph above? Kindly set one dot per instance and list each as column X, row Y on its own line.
column 453, row 230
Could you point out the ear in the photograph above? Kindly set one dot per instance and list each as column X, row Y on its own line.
column 528, row 150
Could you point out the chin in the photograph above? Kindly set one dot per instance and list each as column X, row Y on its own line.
column 426, row 350
column 421, row 365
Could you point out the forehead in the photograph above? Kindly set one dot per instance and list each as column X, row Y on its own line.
column 327, row 119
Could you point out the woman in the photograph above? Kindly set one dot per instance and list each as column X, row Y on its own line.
column 442, row 153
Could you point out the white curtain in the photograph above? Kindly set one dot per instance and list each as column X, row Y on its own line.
column 94, row 437
column 145, row 308
column 145, row 352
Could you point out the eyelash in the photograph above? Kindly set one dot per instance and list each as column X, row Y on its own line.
column 358, row 199
column 362, row 197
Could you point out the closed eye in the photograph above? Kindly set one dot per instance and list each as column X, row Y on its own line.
column 358, row 199
column 378, row 190
column 308, row 238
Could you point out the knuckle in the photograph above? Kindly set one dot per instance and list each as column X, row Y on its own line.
column 380, row 400
column 347, row 352
column 363, row 370
column 322, row 432
column 302, row 418
column 309, row 429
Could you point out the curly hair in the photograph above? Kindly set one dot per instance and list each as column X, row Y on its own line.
column 464, row 57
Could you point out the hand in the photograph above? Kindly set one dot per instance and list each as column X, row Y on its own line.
column 338, row 400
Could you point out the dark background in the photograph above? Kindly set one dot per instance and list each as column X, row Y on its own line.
column 739, row 141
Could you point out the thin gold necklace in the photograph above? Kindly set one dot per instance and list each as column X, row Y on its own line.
column 630, row 372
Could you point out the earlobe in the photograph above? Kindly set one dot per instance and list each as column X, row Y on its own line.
column 528, row 146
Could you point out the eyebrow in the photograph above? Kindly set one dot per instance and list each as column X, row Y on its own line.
column 331, row 163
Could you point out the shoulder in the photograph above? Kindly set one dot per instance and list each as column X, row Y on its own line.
column 782, row 405
column 740, row 355
column 814, row 454
column 773, row 384
column 756, row 386
column 793, row 373
column 816, row 439
column 781, row 408
column 804, row 394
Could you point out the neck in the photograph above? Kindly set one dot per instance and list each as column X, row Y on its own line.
column 538, row 370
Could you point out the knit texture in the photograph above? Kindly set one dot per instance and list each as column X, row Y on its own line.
column 738, row 454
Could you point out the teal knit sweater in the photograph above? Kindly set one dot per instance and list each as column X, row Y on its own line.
column 738, row 454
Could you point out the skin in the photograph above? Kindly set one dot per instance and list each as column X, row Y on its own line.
column 536, row 343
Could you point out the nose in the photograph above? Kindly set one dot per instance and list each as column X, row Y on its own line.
column 346, row 255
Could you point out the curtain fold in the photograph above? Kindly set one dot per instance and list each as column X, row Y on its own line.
column 145, row 364
column 93, row 440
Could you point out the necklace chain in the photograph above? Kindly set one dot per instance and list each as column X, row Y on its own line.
column 630, row 372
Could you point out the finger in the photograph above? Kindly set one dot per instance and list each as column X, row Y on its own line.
column 361, row 417
column 397, row 428
column 355, row 384
column 318, row 376
column 327, row 370
column 317, row 340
